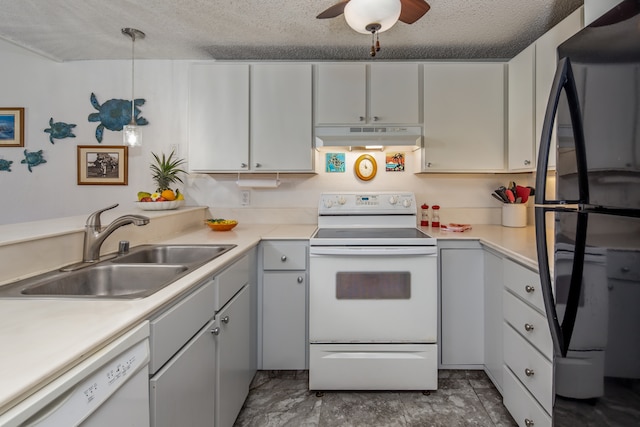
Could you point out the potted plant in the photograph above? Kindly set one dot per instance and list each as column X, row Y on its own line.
column 165, row 172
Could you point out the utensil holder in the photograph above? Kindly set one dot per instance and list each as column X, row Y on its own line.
column 514, row 215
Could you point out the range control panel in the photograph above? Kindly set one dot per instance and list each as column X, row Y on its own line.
column 367, row 203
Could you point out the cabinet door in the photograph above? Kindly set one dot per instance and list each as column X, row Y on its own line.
column 182, row 392
column 281, row 117
column 234, row 357
column 394, row 93
column 341, row 93
column 462, row 307
column 493, row 285
column 219, row 117
column 521, row 110
column 546, row 60
column 463, row 117
column 284, row 343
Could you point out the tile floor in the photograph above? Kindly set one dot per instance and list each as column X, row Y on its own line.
column 463, row 398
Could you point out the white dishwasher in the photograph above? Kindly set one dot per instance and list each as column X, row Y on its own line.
column 109, row 388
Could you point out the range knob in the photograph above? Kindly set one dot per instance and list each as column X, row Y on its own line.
column 406, row 203
column 393, row 200
column 342, row 200
column 328, row 203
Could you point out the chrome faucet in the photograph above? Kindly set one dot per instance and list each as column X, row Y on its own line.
column 95, row 235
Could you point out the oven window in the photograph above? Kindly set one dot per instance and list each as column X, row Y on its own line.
column 378, row 285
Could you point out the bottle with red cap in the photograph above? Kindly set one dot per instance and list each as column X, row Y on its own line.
column 435, row 218
column 424, row 220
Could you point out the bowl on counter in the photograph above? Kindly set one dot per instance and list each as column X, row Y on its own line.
column 221, row 225
column 160, row 206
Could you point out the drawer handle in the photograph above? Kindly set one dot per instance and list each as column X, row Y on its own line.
column 300, row 279
column 225, row 319
column 529, row 289
column 529, row 372
column 283, row 258
column 215, row 331
column 528, row 327
column 528, row 422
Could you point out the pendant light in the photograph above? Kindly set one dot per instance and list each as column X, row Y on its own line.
column 131, row 133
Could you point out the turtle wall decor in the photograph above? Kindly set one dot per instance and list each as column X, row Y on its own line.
column 59, row 130
column 115, row 114
column 5, row 165
column 33, row 159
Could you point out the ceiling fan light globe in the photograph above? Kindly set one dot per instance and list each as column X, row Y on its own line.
column 360, row 13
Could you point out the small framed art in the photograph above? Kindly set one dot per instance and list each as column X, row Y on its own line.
column 11, row 127
column 102, row 165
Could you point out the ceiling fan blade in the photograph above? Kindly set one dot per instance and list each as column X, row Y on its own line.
column 335, row 10
column 412, row 10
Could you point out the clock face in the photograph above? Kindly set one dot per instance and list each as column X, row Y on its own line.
column 366, row 167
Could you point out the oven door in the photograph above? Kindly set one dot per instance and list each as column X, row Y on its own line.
column 371, row 294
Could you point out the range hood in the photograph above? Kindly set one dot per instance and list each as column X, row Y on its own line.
column 407, row 138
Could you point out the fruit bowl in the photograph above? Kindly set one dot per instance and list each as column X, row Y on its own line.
column 160, row 206
column 226, row 225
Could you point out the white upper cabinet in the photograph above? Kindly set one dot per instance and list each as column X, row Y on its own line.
column 464, row 115
column 521, row 143
column 281, row 117
column 546, row 61
column 218, row 117
column 250, row 117
column 350, row 93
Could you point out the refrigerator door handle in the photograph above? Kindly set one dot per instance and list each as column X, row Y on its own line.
column 563, row 80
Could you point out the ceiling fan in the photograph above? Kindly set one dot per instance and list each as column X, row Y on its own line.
column 376, row 16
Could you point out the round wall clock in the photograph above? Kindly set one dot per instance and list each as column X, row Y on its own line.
column 366, row 167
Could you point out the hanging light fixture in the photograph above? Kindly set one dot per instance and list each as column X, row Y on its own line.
column 131, row 133
column 372, row 17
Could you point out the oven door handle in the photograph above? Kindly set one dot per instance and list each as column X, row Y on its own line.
column 372, row 250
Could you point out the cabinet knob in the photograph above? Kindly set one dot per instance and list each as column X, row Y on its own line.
column 527, row 162
column 428, row 164
column 300, row 279
column 529, row 289
column 258, row 165
column 528, row 422
column 376, row 118
column 215, row 331
column 225, row 319
column 529, row 372
column 243, row 165
column 528, row 327
column 362, row 118
column 283, row 258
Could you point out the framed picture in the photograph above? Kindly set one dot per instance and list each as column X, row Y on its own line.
column 103, row 165
column 11, row 127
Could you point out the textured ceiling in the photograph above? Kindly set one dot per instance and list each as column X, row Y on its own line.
column 68, row 30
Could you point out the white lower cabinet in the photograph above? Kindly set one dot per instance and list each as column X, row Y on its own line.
column 284, row 305
column 461, row 304
column 493, row 288
column 527, row 348
column 233, row 358
column 202, row 352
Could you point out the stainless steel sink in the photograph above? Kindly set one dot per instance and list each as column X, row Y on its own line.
column 143, row 271
column 172, row 254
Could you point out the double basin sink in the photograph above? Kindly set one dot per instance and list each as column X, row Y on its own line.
column 136, row 274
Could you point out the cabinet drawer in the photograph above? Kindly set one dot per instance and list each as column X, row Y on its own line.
column 521, row 405
column 173, row 328
column 528, row 322
column 623, row 265
column 529, row 365
column 524, row 283
column 284, row 256
column 230, row 281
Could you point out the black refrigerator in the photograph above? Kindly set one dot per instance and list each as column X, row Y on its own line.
column 590, row 273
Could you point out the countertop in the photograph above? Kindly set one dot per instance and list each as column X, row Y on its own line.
column 43, row 338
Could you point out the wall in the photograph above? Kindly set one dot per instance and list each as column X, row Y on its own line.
column 61, row 90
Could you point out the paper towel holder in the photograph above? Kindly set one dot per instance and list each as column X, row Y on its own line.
column 259, row 183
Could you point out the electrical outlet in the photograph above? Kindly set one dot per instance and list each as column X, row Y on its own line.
column 246, row 198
